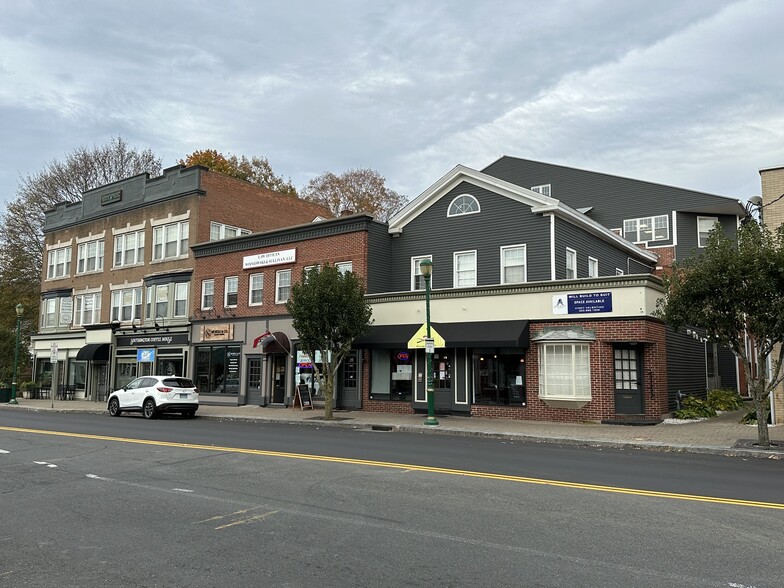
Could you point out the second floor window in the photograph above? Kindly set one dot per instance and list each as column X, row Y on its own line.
column 651, row 228
column 59, row 263
column 513, row 264
column 126, row 304
column 220, row 231
column 231, row 286
column 181, row 299
column 571, row 264
column 256, row 289
column 345, row 266
column 282, row 286
column 705, row 225
column 129, row 249
column 465, row 269
column 89, row 257
column 57, row 312
column 87, row 309
column 417, row 279
column 170, row 241
column 207, row 294
column 593, row 267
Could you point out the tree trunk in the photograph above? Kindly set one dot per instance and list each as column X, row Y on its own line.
column 329, row 393
column 761, row 408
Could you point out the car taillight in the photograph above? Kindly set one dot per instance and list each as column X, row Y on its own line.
column 196, row 391
column 164, row 389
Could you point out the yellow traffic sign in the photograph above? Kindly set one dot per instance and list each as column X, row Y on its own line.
column 418, row 340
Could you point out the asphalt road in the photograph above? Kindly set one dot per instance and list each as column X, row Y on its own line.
column 255, row 504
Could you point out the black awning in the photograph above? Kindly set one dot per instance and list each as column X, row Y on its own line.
column 478, row 334
column 93, row 352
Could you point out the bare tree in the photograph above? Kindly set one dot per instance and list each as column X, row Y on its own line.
column 357, row 190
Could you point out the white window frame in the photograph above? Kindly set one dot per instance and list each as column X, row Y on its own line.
column 218, row 231
column 565, row 376
column 633, row 228
column 50, row 313
column 543, row 189
column 593, row 267
column 59, row 257
column 231, row 287
column 282, row 286
column 180, row 299
column 207, row 289
column 416, row 272
column 619, row 271
column 344, row 266
column 125, row 256
column 702, row 235
column 81, row 302
column 524, row 264
column 161, row 239
column 463, row 204
column 471, row 271
column 119, row 302
column 571, row 264
column 89, row 253
column 255, row 284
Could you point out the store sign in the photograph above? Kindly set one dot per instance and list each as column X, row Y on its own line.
column 223, row 332
column 111, row 197
column 583, row 303
column 152, row 340
column 145, row 355
column 272, row 258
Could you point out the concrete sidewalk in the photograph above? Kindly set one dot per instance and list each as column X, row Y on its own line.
column 723, row 435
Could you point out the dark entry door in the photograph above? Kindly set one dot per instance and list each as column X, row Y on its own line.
column 254, row 380
column 349, row 390
column 444, row 395
column 278, row 378
column 628, row 381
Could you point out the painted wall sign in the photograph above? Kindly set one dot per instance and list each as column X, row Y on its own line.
column 111, row 197
column 583, row 303
column 217, row 332
column 272, row 258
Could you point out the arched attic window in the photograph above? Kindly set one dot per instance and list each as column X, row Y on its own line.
column 463, row 204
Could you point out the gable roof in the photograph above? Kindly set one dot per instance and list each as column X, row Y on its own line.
column 539, row 204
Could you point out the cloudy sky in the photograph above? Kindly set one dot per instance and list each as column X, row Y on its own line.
column 680, row 92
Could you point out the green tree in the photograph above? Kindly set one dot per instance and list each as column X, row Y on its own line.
column 357, row 190
column 329, row 311
column 256, row 170
column 733, row 290
column 21, row 226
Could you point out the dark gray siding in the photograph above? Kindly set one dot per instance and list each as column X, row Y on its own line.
column 379, row 278
column 613, row 198
column 687, row 232
column 586, row 244
column 685, row 366
column 501, row 222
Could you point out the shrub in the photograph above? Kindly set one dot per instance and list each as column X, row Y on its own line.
column 695, row 408
column 725, row 400
column 750, row 418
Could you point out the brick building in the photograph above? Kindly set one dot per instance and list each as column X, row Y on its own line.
column 118, row 272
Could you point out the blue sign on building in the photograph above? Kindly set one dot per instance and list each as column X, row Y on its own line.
column 145, row 355
column 589, row 302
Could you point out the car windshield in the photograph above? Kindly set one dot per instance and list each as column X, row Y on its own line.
column 178, row 383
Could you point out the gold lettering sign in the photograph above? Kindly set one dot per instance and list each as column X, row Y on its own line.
column 223, row 332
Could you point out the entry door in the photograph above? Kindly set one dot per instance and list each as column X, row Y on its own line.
column 349, row 392
column 628, row 381
column 254, row 380
column 278, row 378
column 442, row 380
column 102, row 387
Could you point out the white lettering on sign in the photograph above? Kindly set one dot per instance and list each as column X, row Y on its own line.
column 272, row 258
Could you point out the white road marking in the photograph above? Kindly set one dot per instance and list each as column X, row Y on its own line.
column 4, row 451
column 181, row 490
column 46, row 463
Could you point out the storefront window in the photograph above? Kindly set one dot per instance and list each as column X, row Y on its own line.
column 306, row 374
column 499, row 376
column 77, row 371
column 392, row 375
column 218, row 369
column 125, row 372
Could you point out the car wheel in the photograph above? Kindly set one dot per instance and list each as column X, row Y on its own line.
column 150, row 412
column 114, row 407
column 189, row 414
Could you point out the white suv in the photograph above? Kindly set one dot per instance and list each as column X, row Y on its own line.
column 153, row 395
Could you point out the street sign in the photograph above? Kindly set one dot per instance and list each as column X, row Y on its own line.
column 429, row 345
column 54, row 350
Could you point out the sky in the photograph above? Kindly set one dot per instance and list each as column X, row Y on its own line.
column 687, row 93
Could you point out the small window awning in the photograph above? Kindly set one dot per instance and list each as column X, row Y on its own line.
column 276, row 342
column 93, row 352
column 476, row 334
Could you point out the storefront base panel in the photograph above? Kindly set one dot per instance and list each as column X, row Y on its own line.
column 218, row 400
column 402, row 407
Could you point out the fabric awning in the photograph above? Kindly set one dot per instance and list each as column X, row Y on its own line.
column 93, row 352
column 476, row 334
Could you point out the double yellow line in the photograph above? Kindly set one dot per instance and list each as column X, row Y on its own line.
column 415, row 468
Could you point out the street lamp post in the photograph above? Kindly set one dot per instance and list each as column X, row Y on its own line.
column 19, row 312
column 426, row 267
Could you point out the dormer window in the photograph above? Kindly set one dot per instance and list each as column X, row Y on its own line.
column 544, row 189
column 463, row 204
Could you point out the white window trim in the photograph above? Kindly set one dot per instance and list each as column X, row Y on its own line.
column 414, row 267
column 66, row 264
column 203, row 295
column 525, row 262
column 81, row 254
column 138, row 250
column 570, row 253
column 652, row 220
column 619, row 272
column 177, row 286
column 251, row 290
column 118, row 291
column 221, row 227
column 345, row 266
column 543, row 189
column 278, row 274
column 226, row 291
column 593, row 262
column 95, row 294
column 543, row 372
column 180, row 254
column 714, row 220
column 449, row 212
column 454, row 268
